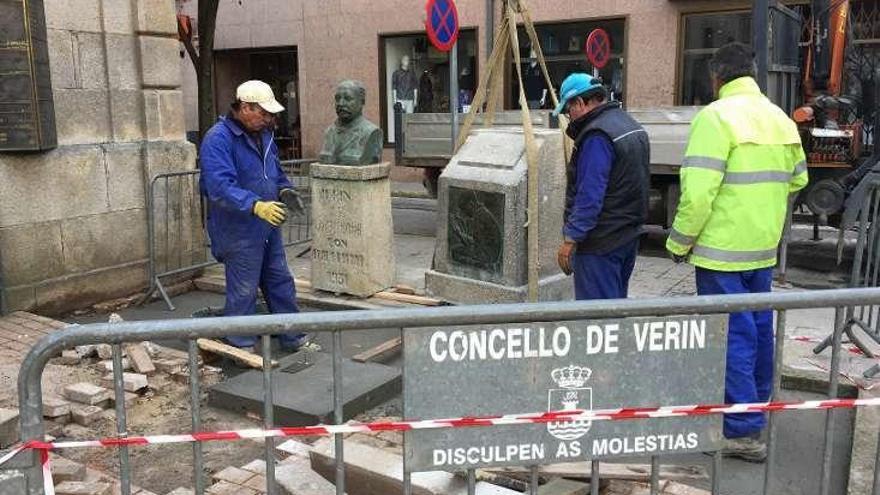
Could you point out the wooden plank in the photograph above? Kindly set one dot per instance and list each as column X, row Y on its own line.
column 380, row 353
column 408, row 298
column 607, row 470
column 242, row 356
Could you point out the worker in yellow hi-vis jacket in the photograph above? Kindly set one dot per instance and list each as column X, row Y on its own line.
column 743, row 161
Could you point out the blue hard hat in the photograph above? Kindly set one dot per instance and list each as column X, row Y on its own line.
column 576, row 85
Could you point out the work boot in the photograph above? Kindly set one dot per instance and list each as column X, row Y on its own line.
column 296, row 343
column 746, row 448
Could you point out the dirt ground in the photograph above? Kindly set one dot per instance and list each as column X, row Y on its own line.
column 163, row 409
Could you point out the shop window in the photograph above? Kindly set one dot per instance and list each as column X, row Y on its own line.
column 703, row 34
column 416, row 76
column 563, row 47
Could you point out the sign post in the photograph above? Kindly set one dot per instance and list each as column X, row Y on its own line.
column 442, row 27
column 598, row 49
column 483, row 370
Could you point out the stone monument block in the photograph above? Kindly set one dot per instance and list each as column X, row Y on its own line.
column 481, row 255
column 353, row 241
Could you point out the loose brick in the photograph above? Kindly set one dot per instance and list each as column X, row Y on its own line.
column 257, row 483
column 69, row 358
column 226, row 488
column 140, row 359
column 257, row 466
column 86, row 393
column 9, row 433
column 181, row 491
column 55, row 407
column 105, row 351
column 131, row 382
column 170, row 366
column 86, row 351
column 82, row 488
column 233, row 475
column 67, row 470
column 108, row 365
column 86, row 415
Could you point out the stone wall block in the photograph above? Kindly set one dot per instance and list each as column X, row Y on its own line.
column 90, row 60
column 128, row 115
column 105, row 240
column 60, row 295
column 164, row 115
column 122, row 57
column 118, row 16
column 61, row 61
column 20, row 298
column 82, row 116
column 160, row 59
column 125, row 176
column 73, row 15
column 68, row 181
column 157, row 16
column 31, row 253
column 169, row 156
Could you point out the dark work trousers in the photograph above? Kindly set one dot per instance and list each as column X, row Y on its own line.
column 749, row 375
column 604, row 276
column 263, row 266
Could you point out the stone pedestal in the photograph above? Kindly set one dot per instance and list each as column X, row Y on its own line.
column 481, row 255
column 353, row 241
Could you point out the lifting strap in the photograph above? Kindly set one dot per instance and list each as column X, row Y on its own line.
column 489, row 92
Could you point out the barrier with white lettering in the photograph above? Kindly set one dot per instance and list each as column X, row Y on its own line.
column 558, row 366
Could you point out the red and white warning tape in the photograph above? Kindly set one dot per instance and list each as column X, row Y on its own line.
column 620, row 414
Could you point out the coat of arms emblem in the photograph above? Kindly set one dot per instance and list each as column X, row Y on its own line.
column 570, row 396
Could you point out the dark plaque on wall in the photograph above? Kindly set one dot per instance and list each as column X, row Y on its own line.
column 476, row 231
column 27, row 116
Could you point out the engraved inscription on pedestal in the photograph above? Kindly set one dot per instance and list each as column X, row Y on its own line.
column 352, row 246
column 27, row 117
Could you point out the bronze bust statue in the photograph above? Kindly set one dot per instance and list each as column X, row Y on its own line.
column 352, row 139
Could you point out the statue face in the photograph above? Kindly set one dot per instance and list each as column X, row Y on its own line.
column 348, row 105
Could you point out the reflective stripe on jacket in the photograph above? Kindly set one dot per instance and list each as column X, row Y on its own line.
column 744, row 158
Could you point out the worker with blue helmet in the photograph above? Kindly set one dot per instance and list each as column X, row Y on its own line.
column 606, row 200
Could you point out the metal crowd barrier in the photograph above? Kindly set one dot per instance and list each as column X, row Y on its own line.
column 31, row 398
column 176, row 216
column 865, row 273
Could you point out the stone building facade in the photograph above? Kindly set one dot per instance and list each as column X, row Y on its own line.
column 362, row 39
column 73, row 228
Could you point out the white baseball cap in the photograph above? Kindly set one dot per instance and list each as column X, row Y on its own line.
column 260, row 93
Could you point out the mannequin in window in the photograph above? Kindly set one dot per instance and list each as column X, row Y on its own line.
column 404, row 87
column 534, row 83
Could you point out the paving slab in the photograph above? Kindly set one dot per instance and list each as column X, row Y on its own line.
column 297, row 478
column 303, row 389
column 372, row 471
column 82, row 488
column 86, row 393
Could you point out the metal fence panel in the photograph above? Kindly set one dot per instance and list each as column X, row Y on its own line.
column 30, row 386
column 177, row 215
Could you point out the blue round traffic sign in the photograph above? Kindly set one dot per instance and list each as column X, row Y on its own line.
column 441, row 23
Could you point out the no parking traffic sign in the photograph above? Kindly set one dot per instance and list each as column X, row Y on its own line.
column 598, row 48
column 441, row 23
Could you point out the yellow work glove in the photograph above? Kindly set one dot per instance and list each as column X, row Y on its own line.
column 270, row 211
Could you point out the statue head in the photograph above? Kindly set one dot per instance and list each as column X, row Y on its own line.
column 350, row 99
column 404, row 62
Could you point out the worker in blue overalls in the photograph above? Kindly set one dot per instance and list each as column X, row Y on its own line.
column 247, row 195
